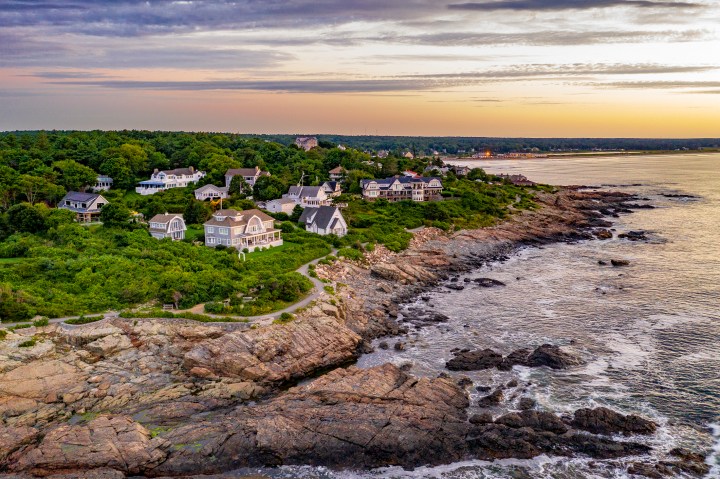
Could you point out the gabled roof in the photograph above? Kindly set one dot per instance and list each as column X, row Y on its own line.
column 166, row 218
column 338, row 170
column 333, row 185
column 236, row 218
column 180, row 171
column 82, row 197
column 321, row 216
column 405, row 180
column 300, row 191
column 282, row 201
column 203, row 189
column 243, row 171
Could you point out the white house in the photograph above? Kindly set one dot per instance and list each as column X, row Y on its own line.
column 249, row 229
column 86, row 206
column 281, row 205
column 211, row 192
column 168, row 226
column 399, row 188
column 166, row 179
column 103, row 183
column 307, row 143
column 250, row 175
column 324, row 220
column 308, row 196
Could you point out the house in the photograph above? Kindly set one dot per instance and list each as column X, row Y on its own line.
column 338, row 173
column 103, row 183
column 307, row 196
column 397, row 188
column 166, row 179
column 409, row 155
column 332, row 188
column 86, row 206
column 382, row 154
column 211, row 192
column 307, row 143
column 411, row 174
column 281, row 205
column 324, row 220
column 248, row 229
column 250, row 175
column 518, row 180
column 168, row 226
column 461, row 170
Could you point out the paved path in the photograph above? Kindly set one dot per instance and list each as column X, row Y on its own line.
column 318, row 288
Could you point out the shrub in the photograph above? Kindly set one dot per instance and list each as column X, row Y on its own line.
column 27, row 344
column 350, row 253
column 284, row 318
column 214, row 307
column 20, row 326
column 329, row 289
column 84, row 320
column 44, row 321
column 3, row 334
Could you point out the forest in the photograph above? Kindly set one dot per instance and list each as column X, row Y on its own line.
column 52, row 266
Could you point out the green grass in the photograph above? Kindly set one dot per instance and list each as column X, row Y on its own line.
column 193, row 233
column 84, row 320
column 157, row 313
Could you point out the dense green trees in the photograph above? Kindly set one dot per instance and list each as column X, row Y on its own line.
column 115, row 215
column 268, row 188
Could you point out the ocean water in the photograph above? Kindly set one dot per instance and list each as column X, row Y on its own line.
column 649, row 333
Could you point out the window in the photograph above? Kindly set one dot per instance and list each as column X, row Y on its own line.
column 210, row 229
column 223, row 231
column 211, row 240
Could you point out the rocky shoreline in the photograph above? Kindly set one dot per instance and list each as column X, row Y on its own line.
column 174, row 398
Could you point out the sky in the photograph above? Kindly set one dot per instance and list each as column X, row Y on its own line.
column 512, row 68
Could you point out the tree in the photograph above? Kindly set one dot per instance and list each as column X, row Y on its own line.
column 74, row 176
column 268, row 188
column 33, row 187
column 9, row 185
column 196, row 212
column 118, row 169
column 114, row 215
column 296, row 213
column 26, row 218
column 216, row 165
column 353, row 180
column 240, row 187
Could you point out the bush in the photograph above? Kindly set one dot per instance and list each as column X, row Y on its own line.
column 3, row 334
column 214, row 307
column 329, row 289
column 20, row 326
column 284, row 318
column 84, row 320
column 351, row 253
column 44, row 321
column 27, row 344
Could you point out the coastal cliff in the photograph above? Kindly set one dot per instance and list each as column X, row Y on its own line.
column 171, row 397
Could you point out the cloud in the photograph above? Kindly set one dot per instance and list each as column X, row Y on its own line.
column 554, row 5
column 284, row 86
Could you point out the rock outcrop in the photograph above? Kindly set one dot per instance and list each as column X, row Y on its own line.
column 605, row 421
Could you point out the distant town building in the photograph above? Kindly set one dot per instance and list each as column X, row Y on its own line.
column 341, row 147
column 168, row 226
column 461, row 170
column 103, row 183
column 86, row 206
column 518, row 180
column 281, row 205
column 332, row 188
column 382, row 154
column 324, row 220
column 409, row 155
column 250, row 175
column 308, row 196
column 338, row 173
column 249, row 229
column 410, row 174
column 211, row 192
column 307, row 143
column 167, row 179
column 403, row 188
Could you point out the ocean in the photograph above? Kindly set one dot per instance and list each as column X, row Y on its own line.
column 649, row 333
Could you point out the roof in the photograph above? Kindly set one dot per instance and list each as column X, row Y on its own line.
column 338, row 170
column 202, row 189
column 386, row 182
column 236, row 218
column 333, row 185
column 166, row 218
column 311, row 191
column 321, row 216
column 105, row 178
column 282, row 201
column 152, row 182
column 180, row 171
column 243, row 171
column 83, row 197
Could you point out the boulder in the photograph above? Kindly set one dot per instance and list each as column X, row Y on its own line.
column 109, row 345
column 488, row 282
column 115, row 442
column 603, row 234
column 474, row 360
column 516, row 358
column 537, row 420
column 492, row 399
column 605, row 421
column 526, row 404
column 552, row 357
column 619, row 262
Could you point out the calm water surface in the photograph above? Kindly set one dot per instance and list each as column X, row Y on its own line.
column 649, row 333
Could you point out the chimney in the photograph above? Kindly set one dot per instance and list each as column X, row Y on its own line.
column 156, row 171
column 192, row 170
